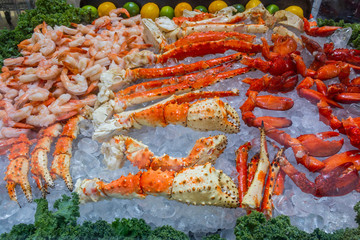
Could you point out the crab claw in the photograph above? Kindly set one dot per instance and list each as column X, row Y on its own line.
column 352, row 129
column 340, row 181
column 317, row 146
column 318, row 31
column 334, row 161
column 216, row 115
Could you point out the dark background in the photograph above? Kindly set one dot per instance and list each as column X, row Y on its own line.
column 304, row 4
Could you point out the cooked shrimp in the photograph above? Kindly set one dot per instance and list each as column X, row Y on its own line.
column 94, row 70
column 63, row 104
column 77, row 42
column 16, row 115
column 32, row 94
column 33, row 59
column 48, row 72
column 76, row 87
column 9, row 132
column 45, row 46
column 13, row 61
column 116, row 12
column 43, row 117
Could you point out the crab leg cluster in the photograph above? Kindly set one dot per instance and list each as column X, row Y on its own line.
column 122, row 148
column 204, row 115
column 21, row 160
column 191, row 180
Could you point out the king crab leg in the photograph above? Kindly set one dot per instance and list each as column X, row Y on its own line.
column 204, row 115
column 39, row 159
column 122, row 148
column 61, row 163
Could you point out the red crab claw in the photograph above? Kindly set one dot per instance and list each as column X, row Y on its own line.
column 340, row 181
column 349, row 97
column 317, row 146
column 352, row 129
column 334, row 161
column 318, row 31
column 313, row 96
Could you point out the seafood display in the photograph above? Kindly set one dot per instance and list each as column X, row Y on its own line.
column 200, row 74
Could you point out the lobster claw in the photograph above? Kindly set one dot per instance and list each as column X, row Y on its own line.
column 352, row 129
column 340, row 181
column 317, row 146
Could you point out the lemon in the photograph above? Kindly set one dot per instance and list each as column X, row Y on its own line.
column 252, row 4
column 181, row 7
column 296, row 10
column 150, row 10
column 105, row 8
column 216, row 6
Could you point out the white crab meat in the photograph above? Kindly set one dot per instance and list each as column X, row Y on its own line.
column 165, row 24
column 152, row 34
column 204, row 185
column 289, row 19
column 139, row 59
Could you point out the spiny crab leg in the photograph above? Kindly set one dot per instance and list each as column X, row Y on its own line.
column 209, row 36
column 253, row 197
column 204, row 115
column 211, row 47
column 211, row 77
column 181, row 69
column 39, row 159
column 199, row 185
column 18, row 168
column 267, row 204
column 63, row 151
column 122, row 148
column 279, row 183
column 113, row 80
column 241, row 168
column 251, row 168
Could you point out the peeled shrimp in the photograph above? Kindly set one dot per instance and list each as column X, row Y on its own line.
column 42, row 119
column 76, row 87
column 94, row 70
column 13, row 61
column 48, row 72
column 32, row 94
column 63, row 103
column 33, row 59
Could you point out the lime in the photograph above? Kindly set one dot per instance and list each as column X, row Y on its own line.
column 217, row 5
column 181, row 7
column 272, row 8
column 201, row 8
column 252, row 4
column 167, row 11
column 239, row 8
column 92, row 9
column 296, row 10
column 150, row 10
column 132, row 8
column 105, row 8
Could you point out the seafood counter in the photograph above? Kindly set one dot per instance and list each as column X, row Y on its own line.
column 93, row 104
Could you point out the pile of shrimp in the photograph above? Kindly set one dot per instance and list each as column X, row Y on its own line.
column 57, row 75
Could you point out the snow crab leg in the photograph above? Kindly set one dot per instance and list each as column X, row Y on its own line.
column 204, row 115
column 122, row 148
column 61, row 163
